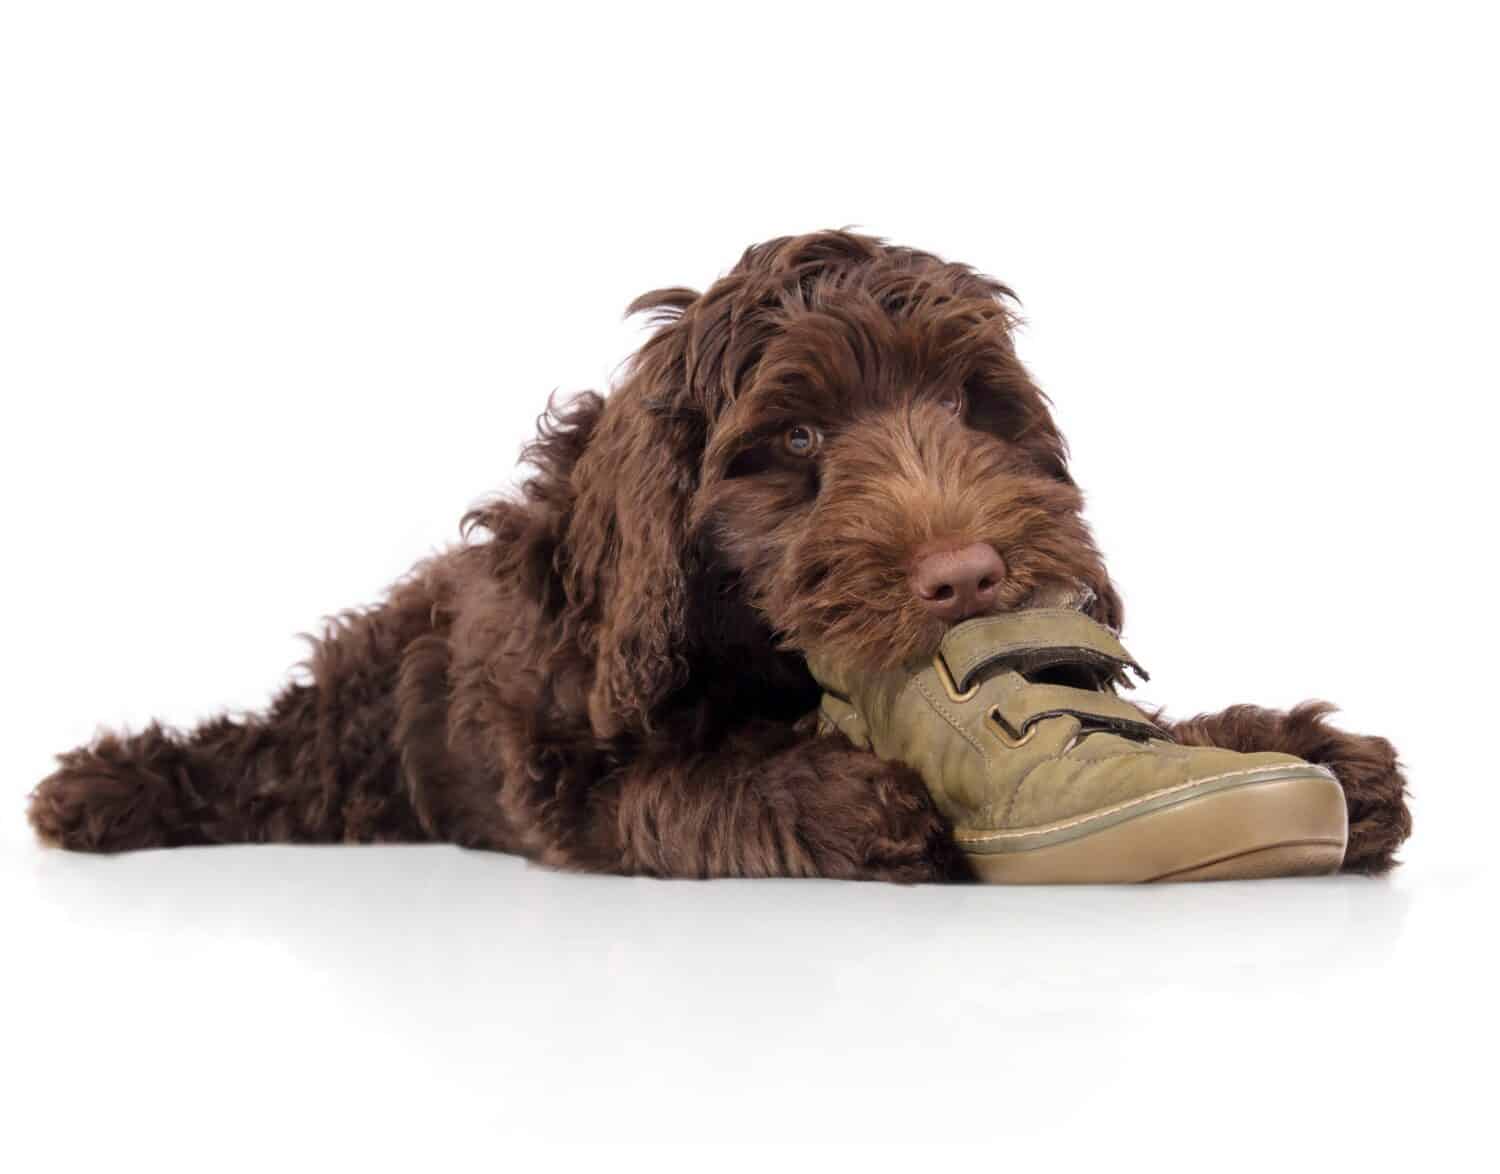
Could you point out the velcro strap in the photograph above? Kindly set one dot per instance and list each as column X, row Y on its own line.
column 1024, row 707
column 1038, row 637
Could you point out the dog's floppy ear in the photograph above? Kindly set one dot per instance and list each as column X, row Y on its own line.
column 628, row 563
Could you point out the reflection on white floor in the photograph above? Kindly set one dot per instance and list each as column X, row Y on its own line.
column 390, row 1003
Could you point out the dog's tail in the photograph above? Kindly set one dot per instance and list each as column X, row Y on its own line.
column 321, row 765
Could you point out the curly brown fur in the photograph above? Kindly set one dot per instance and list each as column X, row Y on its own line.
column 608, row 674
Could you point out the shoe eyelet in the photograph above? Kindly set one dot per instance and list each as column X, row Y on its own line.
column 950, row 686
column 1001, row 729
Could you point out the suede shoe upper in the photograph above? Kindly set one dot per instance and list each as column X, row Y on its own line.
column 1017, row 730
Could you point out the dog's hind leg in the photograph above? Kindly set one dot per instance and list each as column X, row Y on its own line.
column 322, row 764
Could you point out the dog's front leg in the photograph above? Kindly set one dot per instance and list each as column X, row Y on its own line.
column 773, row 802
column 1366, row 766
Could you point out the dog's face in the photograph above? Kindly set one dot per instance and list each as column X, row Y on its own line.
column 880, row 476
column 834, row 448
column 873, row 461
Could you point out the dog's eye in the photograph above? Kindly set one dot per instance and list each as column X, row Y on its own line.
column 952, row 401
column 802, row 440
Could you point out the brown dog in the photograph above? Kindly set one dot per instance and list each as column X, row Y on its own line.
column 836, row 447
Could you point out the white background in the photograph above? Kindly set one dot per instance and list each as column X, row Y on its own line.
column 282, row 288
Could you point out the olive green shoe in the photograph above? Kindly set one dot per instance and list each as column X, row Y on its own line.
column 1050, row 777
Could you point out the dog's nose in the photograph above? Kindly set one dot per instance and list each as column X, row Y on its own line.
column 956, row 584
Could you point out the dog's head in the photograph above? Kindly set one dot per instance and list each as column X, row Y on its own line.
column 838, row 439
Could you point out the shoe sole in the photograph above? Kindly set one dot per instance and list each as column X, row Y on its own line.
column 1258, row 824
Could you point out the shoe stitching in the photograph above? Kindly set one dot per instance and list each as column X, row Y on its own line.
column 982, row 837
column 952, row 718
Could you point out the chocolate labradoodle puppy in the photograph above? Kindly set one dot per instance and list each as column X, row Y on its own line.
column 608, row 673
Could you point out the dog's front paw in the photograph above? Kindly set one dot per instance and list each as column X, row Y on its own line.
column 1374, row 785
column 873, row 820
column 1366, row 766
